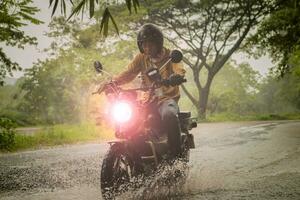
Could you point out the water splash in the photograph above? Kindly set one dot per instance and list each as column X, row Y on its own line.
column 165, row 183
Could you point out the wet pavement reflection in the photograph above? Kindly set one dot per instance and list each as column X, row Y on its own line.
column 241, row 160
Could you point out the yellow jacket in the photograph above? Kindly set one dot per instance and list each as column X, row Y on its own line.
column 141, row 63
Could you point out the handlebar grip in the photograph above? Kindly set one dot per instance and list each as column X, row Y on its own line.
column 165, row 82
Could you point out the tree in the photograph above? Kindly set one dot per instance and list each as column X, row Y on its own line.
column 13, row 16
column 58, row 90
column 16, row 14
column 237, row 94
column 208, row 33
column 90, row 5
column 55, row 89
column 279, row 95
column 278, row 34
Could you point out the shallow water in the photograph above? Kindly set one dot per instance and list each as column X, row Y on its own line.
column 251, row 160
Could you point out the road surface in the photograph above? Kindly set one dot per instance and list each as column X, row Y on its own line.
column 240, row 160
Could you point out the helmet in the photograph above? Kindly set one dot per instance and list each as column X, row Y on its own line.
column 150, row 32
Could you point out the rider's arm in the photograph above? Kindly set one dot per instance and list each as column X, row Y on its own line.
column 133, row 69
column 178, row 69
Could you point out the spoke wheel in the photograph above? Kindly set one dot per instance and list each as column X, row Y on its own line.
column 116, row 172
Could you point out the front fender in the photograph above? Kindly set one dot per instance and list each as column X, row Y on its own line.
column 117, row 141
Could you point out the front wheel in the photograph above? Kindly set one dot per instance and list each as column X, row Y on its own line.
column 117, row 169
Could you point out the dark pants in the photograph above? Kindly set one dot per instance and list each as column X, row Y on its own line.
column 168, row 111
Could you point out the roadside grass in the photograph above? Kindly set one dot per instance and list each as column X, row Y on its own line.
column 222, row 117
column 89, row 132
column 62, row 134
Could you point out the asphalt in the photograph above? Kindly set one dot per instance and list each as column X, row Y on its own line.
column 240, row 160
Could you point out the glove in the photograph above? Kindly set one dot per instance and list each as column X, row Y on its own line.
column 176, row 79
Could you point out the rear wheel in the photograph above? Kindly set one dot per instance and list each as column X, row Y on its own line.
column 117, row 169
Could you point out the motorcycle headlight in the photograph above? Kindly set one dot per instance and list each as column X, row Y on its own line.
column 121, row 112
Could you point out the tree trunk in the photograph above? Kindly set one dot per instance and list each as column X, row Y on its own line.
column 202, row 104
column 203, row 98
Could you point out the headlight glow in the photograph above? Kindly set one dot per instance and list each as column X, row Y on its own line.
column 121, row 112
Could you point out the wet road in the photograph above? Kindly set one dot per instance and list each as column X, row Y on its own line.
column 242, row 160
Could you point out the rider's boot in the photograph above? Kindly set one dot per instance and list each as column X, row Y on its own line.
column 174, row 137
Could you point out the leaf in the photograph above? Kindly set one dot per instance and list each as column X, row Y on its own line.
column 29, row 18
column 136, row 4
column 64, row 7
column 55, row 6
column 114, row 23
column 50, row 3
column 105, row 31
column 92, row 8
column 77, row 9
column 128, row 4
column 82, row 11
column 104, row 22
column 61, row 6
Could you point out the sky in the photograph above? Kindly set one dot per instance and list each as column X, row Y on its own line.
column 30, row 54
column 26, row 57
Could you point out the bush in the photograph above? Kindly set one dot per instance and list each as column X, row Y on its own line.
column 7, row 133
column 62, row 134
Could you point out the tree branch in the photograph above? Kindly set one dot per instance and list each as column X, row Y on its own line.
column 223, row 60
column 174, row 28
column 189, row 95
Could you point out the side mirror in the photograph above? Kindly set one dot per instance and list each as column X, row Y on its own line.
column 176, row 56
column 98, row 67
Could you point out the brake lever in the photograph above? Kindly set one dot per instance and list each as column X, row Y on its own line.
column 100, row 89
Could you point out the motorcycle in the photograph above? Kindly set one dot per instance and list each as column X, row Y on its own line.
column 140, row 146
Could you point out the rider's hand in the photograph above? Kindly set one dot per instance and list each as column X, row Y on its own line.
column 176, row 79
column 106, row 86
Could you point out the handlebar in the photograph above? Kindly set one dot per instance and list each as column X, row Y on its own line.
column 115, row 88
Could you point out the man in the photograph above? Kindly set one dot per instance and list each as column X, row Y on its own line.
column 153, row 54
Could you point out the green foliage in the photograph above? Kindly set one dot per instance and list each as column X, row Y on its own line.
column 224, row 116
column 208, row 33
column 280, row 95
column 58, row 90
column 90, row 4
column 55, row 89
column 279, row 34
column 13, row 16
column 237, row 93
column 104, row 22
column 62, row 134
column 240, row 93
column 11, row 96
column 7, row 134
column 221, row 117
